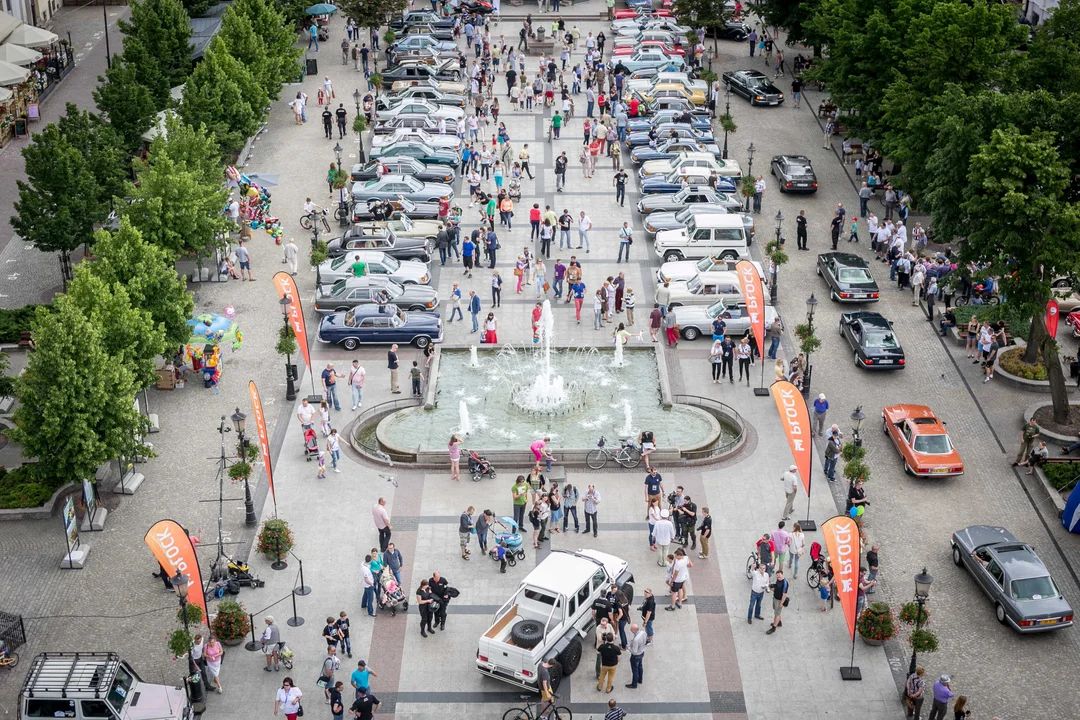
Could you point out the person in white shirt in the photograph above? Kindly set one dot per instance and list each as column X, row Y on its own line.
column 368, row 601
column 306, row 413
column 759, row 190
column 798, row 543
column 680, row 575
column 288, row 699
column 791, row 486
column 357, row 375
column 663, row 534
column 442, row 126
column 759, row 584
column 604, row 627
column 584, row 226
column 591, row 505
column 291, row 254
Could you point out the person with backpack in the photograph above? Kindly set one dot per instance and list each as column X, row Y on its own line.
column 780, row 600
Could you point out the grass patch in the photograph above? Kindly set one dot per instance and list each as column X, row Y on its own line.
column 20, row 488
column 1019, row 326
column 1012, row 362
column 1061, row 475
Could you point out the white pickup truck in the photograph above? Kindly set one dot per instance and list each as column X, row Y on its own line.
column 549, row 615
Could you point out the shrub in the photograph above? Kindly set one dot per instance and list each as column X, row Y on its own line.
column 808, row 341
column 286, row 344
column 1062, row 476
column 1019, row 325
column 22, row 488
column 275, row 539
column 180, row 642
column 240, row 470
column 923, row 641
column 13, row 322
column 909, row 612
column 359, row 124
column 877, row 622
column 319, row 253
column 1012, row 362
column 194, row 614
column 231, row 622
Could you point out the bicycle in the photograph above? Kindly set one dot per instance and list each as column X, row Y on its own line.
column 628, row 455
column 311, row 220
column 8, row 658
column 526, row 713
column 751, row 563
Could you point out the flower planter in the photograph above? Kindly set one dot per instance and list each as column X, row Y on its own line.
column 871, row 641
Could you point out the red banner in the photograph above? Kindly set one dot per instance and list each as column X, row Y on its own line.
column 795, row 418
column 174, row 550
column 754, row 297
column 264, row 442
column 1052, row 316
column 286, row 287
column 842, row 544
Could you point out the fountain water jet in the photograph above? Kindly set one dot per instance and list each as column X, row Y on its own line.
column 474, row 361
column 464, row 426
column 627, row 428
column 548, row 393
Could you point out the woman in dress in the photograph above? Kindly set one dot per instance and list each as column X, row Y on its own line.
column 213, row 653
column 654, row 517
column 491, row 326
column 454, row 448
column 288, row 699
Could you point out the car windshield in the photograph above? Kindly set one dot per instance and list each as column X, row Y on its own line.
column 705, row 264
column 407, row 206
column 350, row 319
column 932, row 444
column 881, row 340
column 406, row 223
column 338, row 288
column 120, row 686
column 391, row 263
column 372, row 183
column 694, row 285
column 1038, row 588
column 719, row 308
column 854, row 275
column 684, row 215
column 337, row 262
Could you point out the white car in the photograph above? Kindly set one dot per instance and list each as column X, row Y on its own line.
column 549, row 617
column 646, row 84
column 405, row 272
column 686, row 269
column 703, row 289
column 416, row 105
column 406, row 134
column 696, row 320
column 701, row 160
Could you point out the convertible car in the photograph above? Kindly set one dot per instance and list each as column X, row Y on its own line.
column 673, row 182
column 418, row 151
column 391, row 187
column 351, row 292
column 696, row 320
column 418, row 135
column 674, row 202
column 404, row 165
column 873, row 341
column 848, row 277
column 700, row 123
column 363, row 210
column 668, row 131
column 404, row 272
column 1013, row 576
column 671, row 149
column 754, row 86
column 380, row 325
column 922, row 441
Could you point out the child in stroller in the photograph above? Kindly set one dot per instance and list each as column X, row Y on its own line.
column 392, row 596
column 510, row 540
column 311, row 444
column 479, row 466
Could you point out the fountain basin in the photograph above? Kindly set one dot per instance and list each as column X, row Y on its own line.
column 497, row 425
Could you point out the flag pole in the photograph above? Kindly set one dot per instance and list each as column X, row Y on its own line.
column 809, row 525
column 851, row 672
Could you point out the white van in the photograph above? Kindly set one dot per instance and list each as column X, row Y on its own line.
column 704, row 235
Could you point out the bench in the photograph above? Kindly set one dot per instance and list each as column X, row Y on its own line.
column 825, row 109
column 1061, row 459
column 26, row 340
column 856, row 148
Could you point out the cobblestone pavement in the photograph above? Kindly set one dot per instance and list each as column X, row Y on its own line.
column 733, row 670
column 31, row 276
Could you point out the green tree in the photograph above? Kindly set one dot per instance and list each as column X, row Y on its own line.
column 192, row 148
column 76, row 407
column 197, row 8
column 103, row 149
column 1051, row 62
column 293, row 12
column 128, row 106
column 1019, row 227
column 224, row 96
column 701, row 13
column 278, row 38
column 371, row 13
column 146, row 272
column 795, row 16
column 58, row 205
column 176, row 207
column 239, row 39
column 158, row 37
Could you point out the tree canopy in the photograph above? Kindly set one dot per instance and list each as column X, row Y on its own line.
column 371, row 13
column 278, row 39
column 157, row 44
column 224, row 96
column 128, row 106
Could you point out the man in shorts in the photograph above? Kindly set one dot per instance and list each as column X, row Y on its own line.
column 244, row 258
column 780, row 594
column 465, row 527
column 271, row 639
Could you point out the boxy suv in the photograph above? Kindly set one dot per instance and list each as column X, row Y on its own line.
column 549, row 615
column 96, row 686
column 704, row 235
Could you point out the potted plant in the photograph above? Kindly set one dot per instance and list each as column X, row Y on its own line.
column 923, row 641
column 746, row 189
column 909, row 614
column 286, row 344
column 359, row 124
column 194, row 614
column 275, row 539
column 232, row 623
column 180, row 642
column 876, row 624
column 319, row 253
column 375, row 81
column 808, row 340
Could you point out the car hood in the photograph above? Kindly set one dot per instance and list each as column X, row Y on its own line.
column 658, row 200
column 679, row 270
column 978, row 535
column 675, row 235
column 155, row 703
column 663, row 220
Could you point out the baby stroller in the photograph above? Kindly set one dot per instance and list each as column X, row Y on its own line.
column 510, row 537
column 514, row 189
column 479, row 466
column 311, row 444
column 392, row 597
column 818, row 565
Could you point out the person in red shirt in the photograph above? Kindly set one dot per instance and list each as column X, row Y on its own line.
column 534, row 220
column 633, row 107
column 537, row 311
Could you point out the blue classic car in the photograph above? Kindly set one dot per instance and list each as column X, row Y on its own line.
column 672, row 183
column 380, row 325
column 671, row 149
column 664, row 117
column 669, row 131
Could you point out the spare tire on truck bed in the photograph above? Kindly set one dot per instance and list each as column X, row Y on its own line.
column 527, row 633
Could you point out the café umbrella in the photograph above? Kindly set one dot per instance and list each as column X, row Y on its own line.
column 30, row 36
column 12, row 74
column 18, row 55
column 321, row 9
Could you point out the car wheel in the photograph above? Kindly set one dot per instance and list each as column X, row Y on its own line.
column 782, row 190
column 999, row 612
column 674, row 305
column 673, row 257
column 818, row 269
column 907, row 469
column 956, row 556
column 1061, row 283
column 628, row 591
column 729, row 256
column 841, row 328
column 556, row 672
column 856, row 354
column 571, row 656
column 527, row 634
column 341, row 309
column 455, row 76
column 691, row 333
column 884, row 426
column 422, row 342
column 417, row 308
column 351, row 343
column 833, row 297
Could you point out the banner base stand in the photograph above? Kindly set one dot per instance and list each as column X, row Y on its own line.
column 761, row 392
column 279, row 564
column 75, row 559
column 95, row 522
column 850, row 673
column 297, row 621
column 314, row 399
column 808, row 525
column 302, row 590
column 251, row 646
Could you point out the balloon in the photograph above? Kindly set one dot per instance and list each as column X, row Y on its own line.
column 854, row 512
column 230, row 311
column 861, row 510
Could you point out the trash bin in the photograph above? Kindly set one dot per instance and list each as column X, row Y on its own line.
column 312, row 66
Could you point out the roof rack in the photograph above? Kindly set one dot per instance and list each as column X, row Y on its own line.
column 67, row 674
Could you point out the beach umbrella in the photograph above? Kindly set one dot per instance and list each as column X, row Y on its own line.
column 12, row 74
column 18, row 55
column 30, row 36
column 321, row 9
column 5, row 94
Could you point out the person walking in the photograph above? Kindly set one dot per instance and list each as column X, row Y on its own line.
column 382, row 523
column 288, row 696
column 620, row 187
column 392, row 364
column 626, row 238
column 796, row 549
column 243, row 257
column 424, row 601
column 1028, row 433
column 759, row 191
column 775, row 332
column 329, row 382
column 591, row 505
column 663, row 535
column 465, row 531
column 759, row 583
column 609, row 654
column 291, row 254
column 680, row 575
column 333, row 446
column 780, row 599
column 523, row 158
column 705, row 533
column 671, row 328
column 368, row 577
column 943, row 692
column 584, row 226
column 212, row 653
column 638, row 640
column 915, row 693
column 474, row 311
column 744, row 353
column 790, row 481
column 821, row 409
column 872, row 568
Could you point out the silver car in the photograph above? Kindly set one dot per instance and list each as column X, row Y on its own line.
column 703, row 289
column 696, row 320
column 419, row 135
column 1013, row 577
column 347, row 293
column 403, row 272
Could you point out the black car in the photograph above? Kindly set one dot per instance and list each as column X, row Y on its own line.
column 360, row 237
column 420, row 17
column 794, row 173
column 404, row 165
column 848, row 277
column 872, row 338
column 754, row 86
column 407, row 120
column 728, row 31
column 449, row 70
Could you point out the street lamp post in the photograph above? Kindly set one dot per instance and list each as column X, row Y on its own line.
column 193, row 682
column 357, row 97
column 773, row 267
column 811, row 306
column 290, row 369
column 239, row 420
column 857, row 417
column 923, row 581
column 343, row 207
column 750, row 169
column 108, row 52
column 727, row 115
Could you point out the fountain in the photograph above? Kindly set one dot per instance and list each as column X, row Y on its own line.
column 474, row 361
column 627, row 428
column 619, row 350
column 548, row 393
column 464, row 427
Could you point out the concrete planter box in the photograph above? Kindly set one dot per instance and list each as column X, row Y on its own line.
column 1057, row 438
column 1031, row 386
column 45, row 511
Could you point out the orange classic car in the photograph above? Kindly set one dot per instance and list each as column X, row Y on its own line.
column 922, row 441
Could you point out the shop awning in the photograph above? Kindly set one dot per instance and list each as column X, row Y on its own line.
column 18, row 55
column 30, row 36
column 12, row 74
